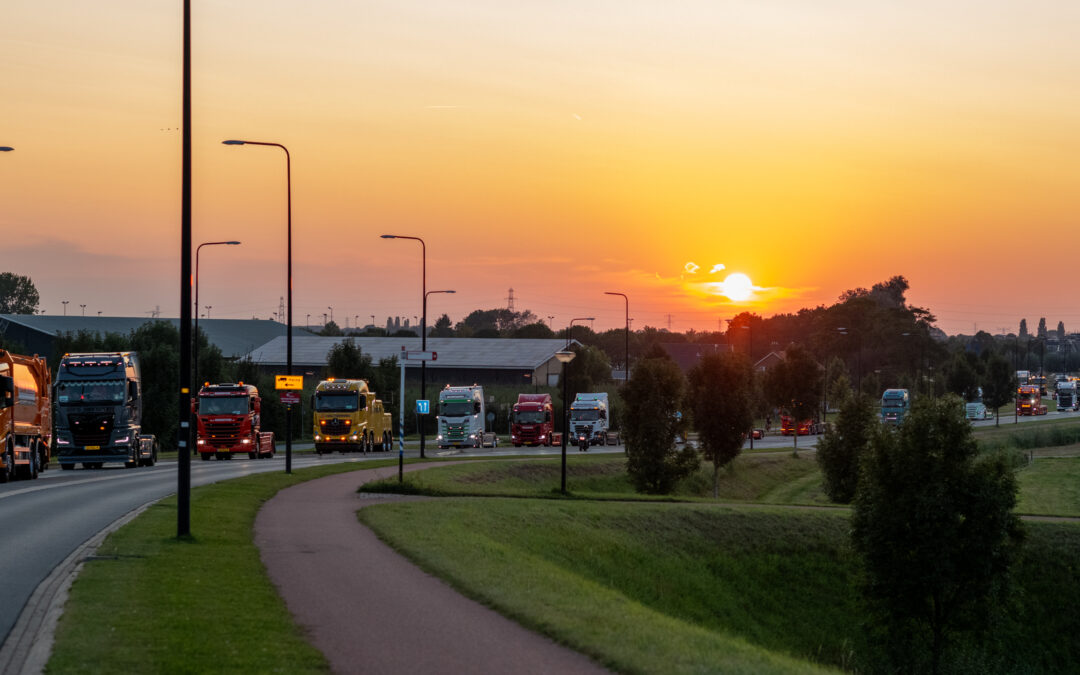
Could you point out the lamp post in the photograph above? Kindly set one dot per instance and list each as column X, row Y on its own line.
column 288, row 341
column 183, row 441
column 331, row 314
column 626, row 362
column 83, row 309
column 65, row 303
column 564, row 357
column 195, row 362
column 423, row 324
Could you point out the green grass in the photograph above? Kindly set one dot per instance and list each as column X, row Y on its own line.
column 151, row 603
column 1050, row 486
column 1051, row 433
column 653, row 587
column 749, row 477
column 643, row 587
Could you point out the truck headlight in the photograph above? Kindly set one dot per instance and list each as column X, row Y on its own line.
column 245, row 441
column 123, row 441
column 201, row 441
column 317, row 437
column 439, row 437
column 61, row 441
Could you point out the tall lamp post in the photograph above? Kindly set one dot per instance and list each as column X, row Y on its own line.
column 183, row 441
column 626, row 362
column 565, row 360
column 288, row 341
column 195, row 356
column 65, row 304
column 423, row 325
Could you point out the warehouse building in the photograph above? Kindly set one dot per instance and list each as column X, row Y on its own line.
column 485, row 361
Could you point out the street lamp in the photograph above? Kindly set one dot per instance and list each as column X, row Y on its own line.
column 83, row 309
column 564, row 357
column 6, row 148
column 626, row 363
column 423, row 323
column 65, row 303
column 288, row 341
column 331, row 314
column 195, row 363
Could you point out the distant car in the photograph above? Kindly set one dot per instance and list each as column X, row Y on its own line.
column 758, row 434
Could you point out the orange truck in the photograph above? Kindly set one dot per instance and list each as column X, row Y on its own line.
column 1029, row 400
column 25, row 416
column 228, row 422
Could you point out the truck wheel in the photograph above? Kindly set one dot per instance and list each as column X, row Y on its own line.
column 35, row 454
column 67, row 467
column 8, row 472
column 205, row 456
column 253, row 455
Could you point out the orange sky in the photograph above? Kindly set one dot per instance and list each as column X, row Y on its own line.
column 560, row 148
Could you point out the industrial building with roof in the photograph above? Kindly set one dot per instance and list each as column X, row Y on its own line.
column 486, row 361
column 37, row 333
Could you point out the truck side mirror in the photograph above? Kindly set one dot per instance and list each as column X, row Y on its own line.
column 133, row 390
column 256, row 404
column 194, row 405
column 476, row 407
column 7, row 391
column 547, row 415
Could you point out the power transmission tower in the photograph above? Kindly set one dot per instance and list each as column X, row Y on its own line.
column 281, row 306
column 510, row 301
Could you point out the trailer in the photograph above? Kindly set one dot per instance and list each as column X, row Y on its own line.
column 25, row 416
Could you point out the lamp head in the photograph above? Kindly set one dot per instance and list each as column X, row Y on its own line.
column 233, row 243
column 6, row 148
column 232, row 142
column 388, row 236
column 565, row 356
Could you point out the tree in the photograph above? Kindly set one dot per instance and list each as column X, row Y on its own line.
column 346, row 360
column 538, row 330
column 651, row 398
column 935, row 533
column 443, row 327
column 1023, row 328
column 158, row 346
column 962, row 378
column 18, row 295
column 844, row 444
column 1061, row 330
column 1042, row 329
column 998, row 384
column 720, row 395
column 331, row 329
column 795, row 385
column 589, row 369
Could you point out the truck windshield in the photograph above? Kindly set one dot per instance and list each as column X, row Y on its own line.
column 223, row 405
column 338, row 402
column 584, row 415
column 892, row 404
column 452, row 408
column 1026, row 396
column 529, row 417
column 101, row 391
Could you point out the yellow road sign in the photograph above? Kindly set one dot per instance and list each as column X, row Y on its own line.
column 288, row 382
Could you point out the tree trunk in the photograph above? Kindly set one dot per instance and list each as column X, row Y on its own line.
column 716, row 480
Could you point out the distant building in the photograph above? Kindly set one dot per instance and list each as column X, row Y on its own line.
column 486, row 361
column 234, row 337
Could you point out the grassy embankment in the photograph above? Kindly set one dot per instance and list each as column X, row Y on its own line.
column 590, row 573
column 150, row 603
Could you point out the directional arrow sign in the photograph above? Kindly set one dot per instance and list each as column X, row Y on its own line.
column 423, row 407
column 421, row 356
column 288, row 382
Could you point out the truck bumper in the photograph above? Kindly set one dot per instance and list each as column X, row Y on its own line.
column 103, row 454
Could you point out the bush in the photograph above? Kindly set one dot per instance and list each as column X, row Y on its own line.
column 844, row 444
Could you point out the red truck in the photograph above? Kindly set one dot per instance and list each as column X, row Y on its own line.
column 533, row 420
column 228, row 422
column 806, row 427
column 25, row 416
column 1029, row 400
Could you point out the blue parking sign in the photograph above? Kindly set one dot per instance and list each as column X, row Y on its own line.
column 423, row 407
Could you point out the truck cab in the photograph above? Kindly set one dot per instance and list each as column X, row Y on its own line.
column 99, row 411
column 589, row 418
column 532, row 421
column 1029, row 400
column 975, row 409
column 228, row 421
column 1067, row 395
column 895, row 404
column 347, row 415
column 461, row 417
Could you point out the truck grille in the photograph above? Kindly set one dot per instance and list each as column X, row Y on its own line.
column 455, row 432
column 335, row 428
column 583, row 430
column 91, row 429
column 222, row 433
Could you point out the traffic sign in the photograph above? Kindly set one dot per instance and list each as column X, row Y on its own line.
column 423, row 407
column 418, row 355
column 289, row 382
column 290, row 397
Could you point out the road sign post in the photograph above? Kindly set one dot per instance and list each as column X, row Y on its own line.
column 290, row 386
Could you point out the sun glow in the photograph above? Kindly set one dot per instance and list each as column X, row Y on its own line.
column 737, row 287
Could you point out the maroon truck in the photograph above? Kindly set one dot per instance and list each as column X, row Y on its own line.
column 228, row 422
column 533, row 420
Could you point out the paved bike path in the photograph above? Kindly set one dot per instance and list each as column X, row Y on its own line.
column 368, row 609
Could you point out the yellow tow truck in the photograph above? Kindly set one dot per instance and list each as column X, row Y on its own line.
column 348, row 416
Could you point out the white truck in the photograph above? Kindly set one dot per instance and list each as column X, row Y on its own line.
column 589, row 419
column 975, row 409
column 461, row 417
column 1068, row 397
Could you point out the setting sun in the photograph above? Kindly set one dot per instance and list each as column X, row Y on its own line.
column 737, row 287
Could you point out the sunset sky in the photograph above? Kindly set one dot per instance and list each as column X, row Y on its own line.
column 561, row 148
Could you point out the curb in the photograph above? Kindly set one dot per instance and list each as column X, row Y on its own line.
column 28, row 646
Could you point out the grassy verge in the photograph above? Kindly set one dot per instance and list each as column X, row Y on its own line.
column 1051, row 433
column 749, row 477
column 150, row 603
column 643, row 587
column 651, row 587
column 1050, row 486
